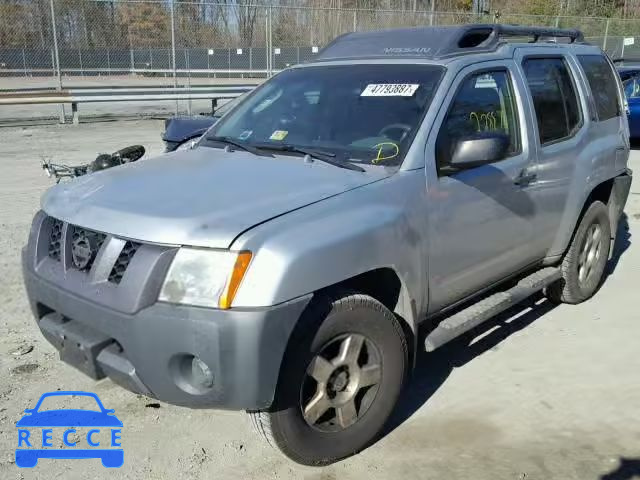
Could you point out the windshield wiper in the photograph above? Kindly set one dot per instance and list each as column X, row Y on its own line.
column 235, row 143
column 327, row 157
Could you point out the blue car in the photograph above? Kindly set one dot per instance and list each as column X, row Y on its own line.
column 67, row 418
column 631, row 81
column 181, row 131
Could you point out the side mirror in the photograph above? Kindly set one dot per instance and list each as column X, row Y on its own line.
column 481, row 148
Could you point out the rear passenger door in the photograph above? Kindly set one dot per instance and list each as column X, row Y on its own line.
column 558, row 121
column 481, row 219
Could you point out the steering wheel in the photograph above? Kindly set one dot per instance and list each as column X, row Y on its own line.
column 403, row 127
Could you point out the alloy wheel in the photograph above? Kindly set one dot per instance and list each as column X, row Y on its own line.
column 340, row 383
column 589, row 253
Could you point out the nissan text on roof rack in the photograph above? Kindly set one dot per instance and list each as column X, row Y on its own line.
column 388, row 196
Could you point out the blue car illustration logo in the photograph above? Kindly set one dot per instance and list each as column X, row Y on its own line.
column 36, row 429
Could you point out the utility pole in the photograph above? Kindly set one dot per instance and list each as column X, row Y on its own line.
column 57, row 56
column 173, row 49
column 432, row 14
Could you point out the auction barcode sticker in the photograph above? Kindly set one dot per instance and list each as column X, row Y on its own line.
column 390, row 90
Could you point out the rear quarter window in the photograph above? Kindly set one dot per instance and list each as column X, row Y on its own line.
column 603, row 84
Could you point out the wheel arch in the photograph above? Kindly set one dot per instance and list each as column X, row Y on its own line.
column 600, row 192
column 386, row 286
column 613, row 193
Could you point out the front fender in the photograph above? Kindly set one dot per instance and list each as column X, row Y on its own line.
column 377, row 226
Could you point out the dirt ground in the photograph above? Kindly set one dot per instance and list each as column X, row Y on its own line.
column 541, row 393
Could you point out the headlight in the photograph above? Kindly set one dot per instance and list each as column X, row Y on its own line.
column 189, row 144
column 206, row 278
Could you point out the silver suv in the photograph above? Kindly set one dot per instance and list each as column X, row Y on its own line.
column 423, row 177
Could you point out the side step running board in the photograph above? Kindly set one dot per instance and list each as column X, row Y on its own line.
column 474, row 315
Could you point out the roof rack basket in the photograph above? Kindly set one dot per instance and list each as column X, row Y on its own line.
column 493, row 33
column 574, row 35
column 487, row 37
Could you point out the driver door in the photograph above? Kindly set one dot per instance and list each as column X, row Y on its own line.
column 482, row 219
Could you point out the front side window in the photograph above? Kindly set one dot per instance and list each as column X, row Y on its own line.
column 554, row 98
column 483, row 103
column 603, row 85
column 360, row 113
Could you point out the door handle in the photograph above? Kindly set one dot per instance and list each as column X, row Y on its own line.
column 526, row 177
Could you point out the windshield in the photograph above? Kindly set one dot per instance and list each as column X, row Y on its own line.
column 362, row 113
column 225, row 107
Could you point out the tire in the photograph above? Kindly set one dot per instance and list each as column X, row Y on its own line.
column 340, row 325
column 579, row 283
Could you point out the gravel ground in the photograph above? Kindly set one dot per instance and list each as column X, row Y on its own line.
column 542, row 393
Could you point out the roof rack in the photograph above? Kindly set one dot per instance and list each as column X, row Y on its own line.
column 436, row 42
column 574, row 35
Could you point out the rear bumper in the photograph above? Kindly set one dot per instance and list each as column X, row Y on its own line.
column 149, row 348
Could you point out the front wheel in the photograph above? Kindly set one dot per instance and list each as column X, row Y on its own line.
column 340, row 381
column 584, row 263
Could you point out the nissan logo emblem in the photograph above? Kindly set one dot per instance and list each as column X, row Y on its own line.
column 82, row 252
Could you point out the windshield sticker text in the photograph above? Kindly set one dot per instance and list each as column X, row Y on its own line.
column 383, row 151
column 486, row 120
column 390, row 90
column 278, row 135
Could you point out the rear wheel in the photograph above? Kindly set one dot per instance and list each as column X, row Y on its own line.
column 584, row 263
column 339, row 382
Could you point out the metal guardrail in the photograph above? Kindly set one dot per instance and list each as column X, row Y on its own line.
column 261, row 73
column 131, row 94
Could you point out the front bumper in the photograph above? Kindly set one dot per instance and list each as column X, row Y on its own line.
column 147, row 347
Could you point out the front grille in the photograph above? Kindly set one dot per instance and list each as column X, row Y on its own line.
column 55, row 239
column 83, row 254
column 127, row 253
column 96, row 240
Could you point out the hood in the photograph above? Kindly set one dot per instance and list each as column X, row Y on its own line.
column 201, row 197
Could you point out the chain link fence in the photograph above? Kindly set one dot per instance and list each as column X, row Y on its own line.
column 171, row 41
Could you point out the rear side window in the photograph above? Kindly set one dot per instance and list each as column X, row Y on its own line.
column 603, row 85
column 554, row 98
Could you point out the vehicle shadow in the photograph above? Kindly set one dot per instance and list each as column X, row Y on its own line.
column 628, row 469
column 496, row 184
column 623, row 242
column 433, row 369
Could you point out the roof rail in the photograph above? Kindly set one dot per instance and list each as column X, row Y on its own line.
column 436, row 42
